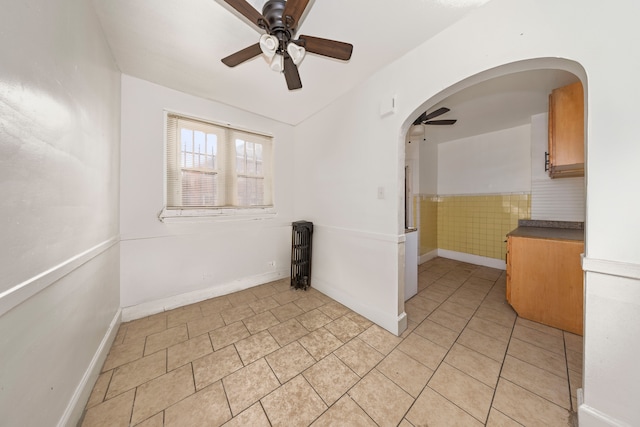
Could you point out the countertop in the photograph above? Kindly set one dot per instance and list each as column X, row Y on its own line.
column 558, row 230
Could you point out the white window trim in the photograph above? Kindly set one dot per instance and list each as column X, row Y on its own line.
column 214, row 214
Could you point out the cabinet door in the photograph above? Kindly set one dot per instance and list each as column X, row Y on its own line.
column 547, row 282
column 566, row 129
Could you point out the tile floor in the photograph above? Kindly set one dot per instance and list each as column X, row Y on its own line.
column 271, row 355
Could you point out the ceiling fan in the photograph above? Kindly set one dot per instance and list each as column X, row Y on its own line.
column 280, row 19
column 425, row 119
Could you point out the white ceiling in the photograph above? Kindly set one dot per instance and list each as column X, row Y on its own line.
column 179, row 44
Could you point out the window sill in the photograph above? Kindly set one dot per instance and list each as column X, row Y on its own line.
column 169, row 216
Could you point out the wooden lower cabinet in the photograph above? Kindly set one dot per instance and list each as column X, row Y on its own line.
column 545, row 281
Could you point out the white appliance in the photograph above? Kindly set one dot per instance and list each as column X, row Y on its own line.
column 410, row 263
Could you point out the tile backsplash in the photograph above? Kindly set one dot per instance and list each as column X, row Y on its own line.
column 473, row 224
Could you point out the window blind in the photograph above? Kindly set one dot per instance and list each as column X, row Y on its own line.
column 214, row 166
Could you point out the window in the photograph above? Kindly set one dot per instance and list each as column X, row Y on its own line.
column 214, row 168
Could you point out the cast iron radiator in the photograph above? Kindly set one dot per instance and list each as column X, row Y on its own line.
column 301, row 254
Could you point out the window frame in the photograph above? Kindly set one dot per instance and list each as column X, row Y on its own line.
column 217, row 213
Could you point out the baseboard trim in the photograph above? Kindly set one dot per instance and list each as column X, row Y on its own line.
column 25, row 290
column 591, row 417
column 158, row 306
column 396, row 325
column 76, row 405
column 428, row 256
column 473, row 259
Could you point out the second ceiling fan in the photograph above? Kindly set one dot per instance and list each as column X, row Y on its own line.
column 280, row 19
column 425, row 119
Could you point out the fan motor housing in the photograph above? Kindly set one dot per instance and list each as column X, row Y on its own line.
column 272, row 12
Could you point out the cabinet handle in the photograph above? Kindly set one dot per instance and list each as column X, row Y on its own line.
column 546, row 161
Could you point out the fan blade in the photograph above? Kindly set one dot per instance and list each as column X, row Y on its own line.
column 293, row 10
column 243, row 55
column 248, row 12
column 326, row 47
column 440, row 122
column 433, row 114
column 420, row 118
column 291, row 74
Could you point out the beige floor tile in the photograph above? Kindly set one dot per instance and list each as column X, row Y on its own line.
column 435, row 295
column 112, row 413
column 484, row 344
column 380, row 339
column 263, row 304
column 287, row 295
column 537, row 356
column 359, row 356
column 207, row 407
column 573, row 342
column 362, row 321
column 487, row 273
column 334, row 309
column 503, row 318
column 260, row 322
column 215, row 366
column 575, row 382
column 226, row 335
column 248, row 385
column 204, row 324
column 289, row 361
column 463, row 390
column 215, row 306
column 490, row 328
column 540, row 339
column 309, row 303
column 320, row 343
column 574, row 360
column 406, row 372
column 415, row 314
column 313, row 319
column 263, row 291
column 538, row 381
column 185, row 352
column 283, row 285
column 155, row 421
column 237, row 313
column 424, row 303
column 99, row 389
column 330, row 378
column 498, row 419
column 256, row 346
column 458, row 309
column 287, row 311
column 345, row 412
column 124, row 353
column 405, row 423
column 373, row 394
column 138, row 372
column 283, row 405
column 539, row 327
column 182, row 315
column 477, row 365
column 288, row 331
column 437, row 333
column 241, row 298
column 162, row 392
column 146, row 326
column 468, row 299
column 528, row 408
column 431, row 409
column 344, row 328
column 448, row 320
column 166, row 339
column 424, row 351
column 254, row 416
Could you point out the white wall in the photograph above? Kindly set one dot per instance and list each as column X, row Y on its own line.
column 59, row 168
column 168, row 264
column 490, row 163
column 335, row 193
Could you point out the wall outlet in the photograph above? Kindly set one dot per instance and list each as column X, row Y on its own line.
column 272, row 264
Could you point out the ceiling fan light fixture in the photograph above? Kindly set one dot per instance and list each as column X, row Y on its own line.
column 268, row 45
column 277, row 63
column 296, row 53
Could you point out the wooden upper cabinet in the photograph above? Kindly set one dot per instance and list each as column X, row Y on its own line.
column 566, row 131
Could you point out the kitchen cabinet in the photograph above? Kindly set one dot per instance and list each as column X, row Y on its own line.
column 545, row 281
column 566, row 131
